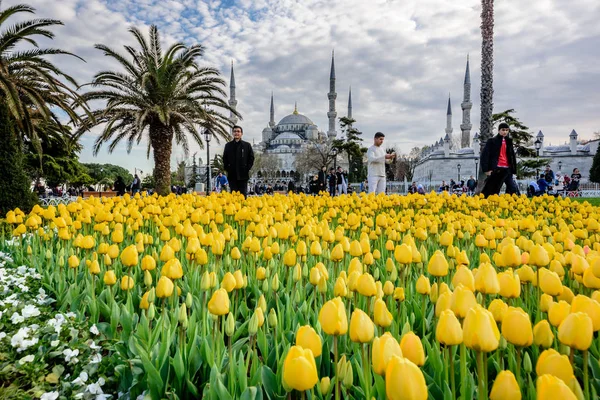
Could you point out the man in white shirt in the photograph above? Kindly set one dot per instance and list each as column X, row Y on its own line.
column 376, row 157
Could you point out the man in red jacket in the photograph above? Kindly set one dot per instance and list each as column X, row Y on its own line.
column 498, row 160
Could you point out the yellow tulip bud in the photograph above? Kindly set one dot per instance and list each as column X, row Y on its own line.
column 516, row 327
column 505, row 387
column 404, row 380
column 542, row 334
column 438, row 265
column 332, row 317
column 300, row 369
column 164, row 287
column 384, row 347
column 362, row 328
column 423, row 285
column 218, row 303
column 553, row 363
column 382, row 316
column 576, row 331
column 109, row 278
column 448, row 331
column 480, row 331
column 127, row 283
column 550, row 387
column 307, row 338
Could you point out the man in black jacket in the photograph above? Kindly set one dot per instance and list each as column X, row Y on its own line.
column 238, row 159
column 498, row 160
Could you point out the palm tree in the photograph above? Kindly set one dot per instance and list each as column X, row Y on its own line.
column 487, row 69
column 30, row 85
column 163, row 96
column 487, row 77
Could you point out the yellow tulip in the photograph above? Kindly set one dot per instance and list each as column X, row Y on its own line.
column 127, row 283
column 550, row 387
column 576, row 331
column 172, row 269
column 228, row 283
column 448, row 331
column 148, row 263
column 219, row 303
column 546, row 302
column 462, row 301
column 423, row 285
column 289, row 258
column 235, row 253
column 261, row 273
column 144, row 304
column 550, row 282
column 164, row 287
column 403, row 254
column 73, row 261
column 591, row 307
column 480, row 331
column 314, row 276
column 511, row 256
column 486, row 279
column 464, row 276
column 129, row 256
column 110, row 278
column 558, row 312
column 366, row 285
column 498, row 308
column 308, row 338
column 332, row 317
column 510, row 284
column 542, row 334
column 381, row 314
column 553, row 363
column 438, row 265
column 404, row 380
column 516, row 327
column 412, row 348
column 315, row 249
column 300, row 369
column 399, row 294
column 337, row 254
column 362, row 328
column 94, row 267
column 340, row 289
column 384, row 347
column 505, row 387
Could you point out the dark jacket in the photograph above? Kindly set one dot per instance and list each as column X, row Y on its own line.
column 238, row 159
column 491, row 152
column 322, row 180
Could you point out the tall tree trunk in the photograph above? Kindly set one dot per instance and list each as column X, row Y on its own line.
column 161, row 139
column 487, row 78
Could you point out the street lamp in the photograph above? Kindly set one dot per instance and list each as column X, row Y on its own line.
column 334, row 153
column 538, row 146
column 458, row 167
column 559, row 165
column 207, row 137
column 476, row 169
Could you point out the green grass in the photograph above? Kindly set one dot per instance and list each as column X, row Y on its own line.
column 595, row 201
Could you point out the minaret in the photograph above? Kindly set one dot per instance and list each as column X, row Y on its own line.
column 232, row 100
column 466, row 106
column 272, row 120
column 350, row 103
column 332, row 95
column 449, row 119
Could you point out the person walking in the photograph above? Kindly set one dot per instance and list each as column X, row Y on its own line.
column 498, row 160
column 471, row 185
column 238, row 159
column 322, row 179
column 340, row 180
column 120, row 186
column 136, row 184
column 376, row 158
column 332, row 179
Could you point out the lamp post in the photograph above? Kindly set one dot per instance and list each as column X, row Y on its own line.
column 476, row 169
column 538, row 146
column 207, row 137
column 334, row 152
column 458, row 168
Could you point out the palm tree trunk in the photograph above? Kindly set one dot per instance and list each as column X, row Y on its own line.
column 161, row 139
column 487, row 77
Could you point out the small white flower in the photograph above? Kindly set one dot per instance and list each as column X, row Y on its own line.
column 27, row 359
column 96, row 359
column 69, row 354
column 93, row 345
column 30, row 311
column 94, row 330
column 2, row 335
column 70, row 315
column 49, row 396
column 54, row 343
column 16, row 318
column 94, row 388
column 81, row 379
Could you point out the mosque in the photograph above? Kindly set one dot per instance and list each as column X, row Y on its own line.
column 295, row 132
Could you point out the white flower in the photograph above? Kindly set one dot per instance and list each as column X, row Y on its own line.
column 2, row 335
column 30, row 311
column 96, row 359
column 16, row 318
column 27, row 359
column 83, row 377
column 94, row 330
column 93, row 345
column 49, row 396
column 70, row 315
column 69, row 354
column 54, row 343
column 94, row 388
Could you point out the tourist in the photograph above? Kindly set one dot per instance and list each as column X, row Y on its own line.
column 136, row 184
column 363, row 186
column 341, row 181
column 420, row 189
column 543, row 183
column 471, row 185
column 345, row 182
column 120, row 186
column 291, row 187
column 533, row 189
column 322, row 179
column 238, row 159
column 221, row 183
column 549, row 175
column 413, row 188
column 315, row 185
column 332, row 179
column 575, row 178
column 376, row 158
column 498, row 160
column 443, row 187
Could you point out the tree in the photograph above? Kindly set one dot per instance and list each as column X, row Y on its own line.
column 161, row 96
column 352, row 146
column 106, row 174
column 194, row 175
column 30, row 86
column 217, row 164
column 519, row 133
column 267, row 164
column 405, row 165
column 595, row 170
column 317, row 154
column 391, row 167
column 529, row 168
column 597, row 134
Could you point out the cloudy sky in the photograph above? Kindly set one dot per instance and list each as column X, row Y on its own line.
column 401, row 57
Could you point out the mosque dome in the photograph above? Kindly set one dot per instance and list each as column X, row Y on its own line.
column 296, row 119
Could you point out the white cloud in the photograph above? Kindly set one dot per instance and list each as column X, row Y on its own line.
column 401, row 58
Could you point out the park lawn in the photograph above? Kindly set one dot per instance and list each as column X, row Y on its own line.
column 595, row 201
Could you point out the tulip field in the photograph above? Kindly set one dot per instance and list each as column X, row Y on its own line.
column 275, row 297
